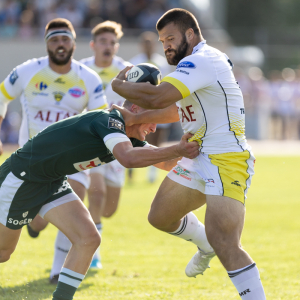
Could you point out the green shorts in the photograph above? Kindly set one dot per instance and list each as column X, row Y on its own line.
column 21, row 201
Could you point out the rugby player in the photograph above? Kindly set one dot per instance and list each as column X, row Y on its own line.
column 33, row 181
column 203, row 94
column 52, row 88
column 106, row 181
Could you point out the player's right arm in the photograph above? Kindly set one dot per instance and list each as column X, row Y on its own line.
column 139, row 157
column 10, row 88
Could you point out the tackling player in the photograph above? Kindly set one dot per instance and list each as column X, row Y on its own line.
column 203, row 94
column 53, row 88
column 33, row 181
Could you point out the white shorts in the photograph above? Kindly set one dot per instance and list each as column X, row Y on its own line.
column 82, row 177
column 226, row 174
column 113, row 173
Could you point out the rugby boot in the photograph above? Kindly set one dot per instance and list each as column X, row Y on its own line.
column 54, row 279
column 199, row 263
column 31, row 232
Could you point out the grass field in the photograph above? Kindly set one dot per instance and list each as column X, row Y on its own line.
column 142, row 263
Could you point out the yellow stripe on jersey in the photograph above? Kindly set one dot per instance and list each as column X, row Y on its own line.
column 199, row 134
column 181, row 87
column 101, row 107
column 233, row 168
column 4, row 92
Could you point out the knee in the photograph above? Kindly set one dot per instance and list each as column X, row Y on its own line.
column 157, row 221
column 89, row 240
column 4, row 256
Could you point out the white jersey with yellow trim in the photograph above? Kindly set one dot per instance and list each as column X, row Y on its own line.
column 107, row 75
column 212, row 107
column 48, row 97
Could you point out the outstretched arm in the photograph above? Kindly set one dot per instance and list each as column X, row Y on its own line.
column 140, row 157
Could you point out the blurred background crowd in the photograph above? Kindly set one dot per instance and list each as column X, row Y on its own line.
column 260, row 37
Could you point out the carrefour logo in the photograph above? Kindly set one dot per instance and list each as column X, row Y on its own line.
column 76, row 92
column 41, row 85
column 186, row 64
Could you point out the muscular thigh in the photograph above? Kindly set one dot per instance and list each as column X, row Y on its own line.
column 173, row 200
column 8, row 238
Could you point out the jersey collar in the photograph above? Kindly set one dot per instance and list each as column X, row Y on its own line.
column 199, row 46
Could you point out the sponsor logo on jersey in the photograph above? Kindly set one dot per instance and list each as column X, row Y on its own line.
column 13, row 76
column 58, row 96
column 98, row 89
column 59, row 80
column 41, row 85
column 186, row 64
column 184, row 72
column 88, row 164
column 19, row 222
column 113, row 123
column 182, row 173
column 76, row 92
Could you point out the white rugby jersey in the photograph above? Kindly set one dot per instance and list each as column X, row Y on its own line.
column 107, row 75
column 48, row 97
column 212, row 107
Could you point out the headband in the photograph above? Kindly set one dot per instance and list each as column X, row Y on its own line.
column 59, row 32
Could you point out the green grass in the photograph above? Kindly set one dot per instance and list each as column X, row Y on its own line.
column 142, row 263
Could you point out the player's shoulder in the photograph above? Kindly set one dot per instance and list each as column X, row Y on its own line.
column 83, row 70
column 88, row 61
column 34, row 63
column 120, row 63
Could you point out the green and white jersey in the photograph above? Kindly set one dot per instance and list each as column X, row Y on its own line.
column 48, row 97
column 107, row 75
column 212, row 107
column 72, row 145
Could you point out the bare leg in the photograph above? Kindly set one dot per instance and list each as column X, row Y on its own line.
column 224, row 222
column 112, row 201
column 8, row 241
column 74, row 220
column 171, row 203
column 97, row 197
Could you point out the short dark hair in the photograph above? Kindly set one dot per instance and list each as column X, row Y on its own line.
column 180, row 17
column 60, row 23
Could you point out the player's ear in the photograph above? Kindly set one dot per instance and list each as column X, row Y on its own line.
column 92, row 44
column 117, row 46
column 189, row 34
column 134, row 108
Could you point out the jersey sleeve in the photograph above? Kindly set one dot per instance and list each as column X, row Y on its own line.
column 97, row 98
column 138, row 143
column 194, row 72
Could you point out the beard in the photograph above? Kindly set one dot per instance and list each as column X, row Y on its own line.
column 57, row 61
column 180, row 53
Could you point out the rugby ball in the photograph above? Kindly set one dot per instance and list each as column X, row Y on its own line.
column 144, row 73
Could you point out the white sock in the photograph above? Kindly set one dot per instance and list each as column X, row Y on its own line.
column 192, row 230
column 247, row 282
column 62, row 247
column 97, row 253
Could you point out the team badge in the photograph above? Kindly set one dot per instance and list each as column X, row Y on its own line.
column 25, row 214
column 13, row 76
column 59, row 80
column 113, row 123
column 58, row 96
